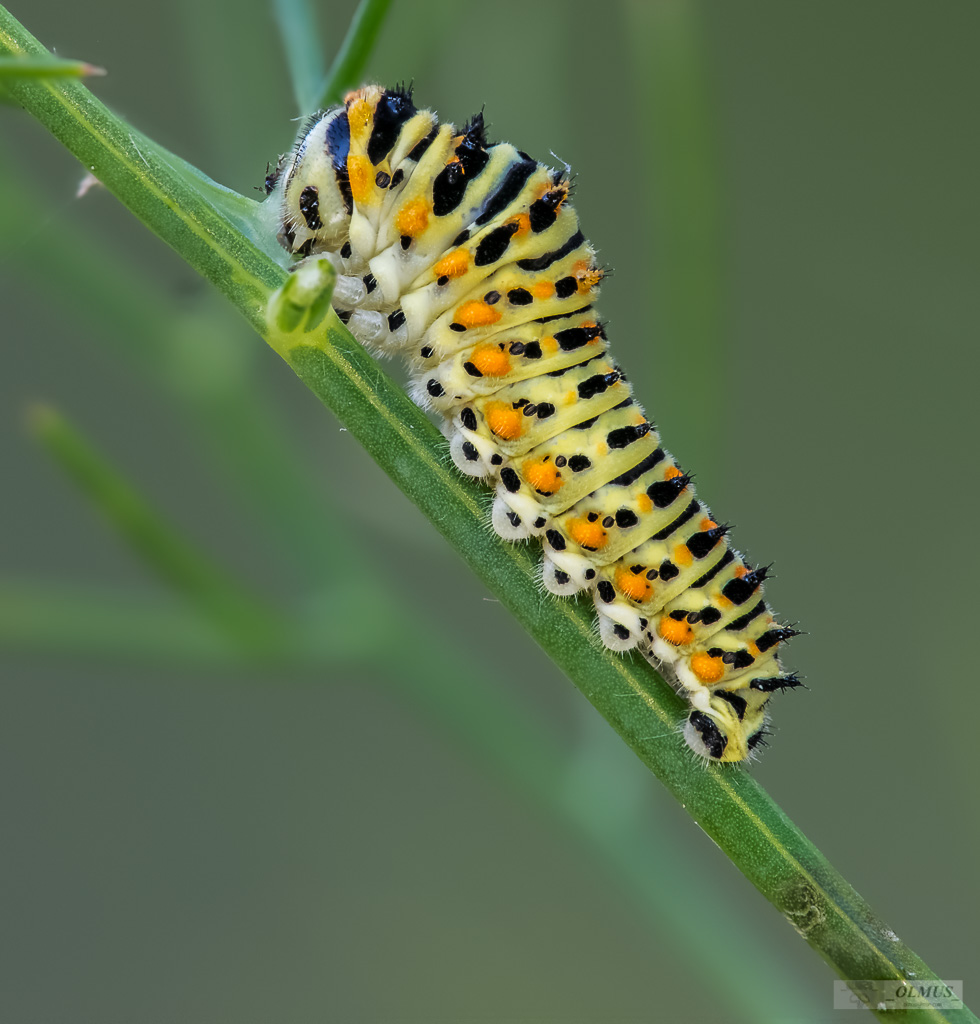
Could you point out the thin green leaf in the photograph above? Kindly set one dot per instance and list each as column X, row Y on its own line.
column 304, row 58
column 46, row 67
column 66, row 620
column 170, row 556
column 76, row 623
column 684, row 205
column 728, row 804
column 348, row 66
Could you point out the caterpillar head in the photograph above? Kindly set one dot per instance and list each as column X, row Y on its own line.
column 731, row 726
column 313, row 187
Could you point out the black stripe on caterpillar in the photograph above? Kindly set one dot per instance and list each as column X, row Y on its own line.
column 468, row 258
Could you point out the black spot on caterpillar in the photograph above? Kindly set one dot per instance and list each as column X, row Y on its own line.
column 468, row 257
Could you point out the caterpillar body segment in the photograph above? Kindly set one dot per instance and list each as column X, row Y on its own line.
column 468, row 258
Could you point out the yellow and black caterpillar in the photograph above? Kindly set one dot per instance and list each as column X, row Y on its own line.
column 468, row 258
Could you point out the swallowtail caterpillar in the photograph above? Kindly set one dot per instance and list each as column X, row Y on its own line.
column 468, row 259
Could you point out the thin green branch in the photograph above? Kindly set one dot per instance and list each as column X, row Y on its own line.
column 352, row 57
column 684, row 206
column 728, row 804
column 46, row 67
column 300, row 39
column 170, row 556
column 109, row 625
column 78, row 623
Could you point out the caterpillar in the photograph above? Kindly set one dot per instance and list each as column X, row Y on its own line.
column 467, row 257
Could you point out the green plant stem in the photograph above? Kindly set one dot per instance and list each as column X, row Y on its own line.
column 352, row 57
column 684, row 207
column 304, row 58
column 109, row 625
column 46, row 67
column 77, row 623
column 727, row 803
column 222, row 600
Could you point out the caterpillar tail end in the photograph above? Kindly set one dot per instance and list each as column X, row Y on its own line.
column 726, row 731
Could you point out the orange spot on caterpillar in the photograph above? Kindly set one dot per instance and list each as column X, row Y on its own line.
column 635, row 587
column 454, row 265
column 587, row 276
column 504, row 420
column 643, row 501
column 361, row 176
column 591, row 536
column 490, row 360
column 708, row 670
column 740, row 571
column 708, row 524
column 682, row 555
column 674, row 632
column 544, row 477
column 523, row 222
column 413, row 218
column 671, row 471
column 549, row 345
column 754, row 649
column 543, row 290
column 476, row 314
column 571, row 397
column 359, row 114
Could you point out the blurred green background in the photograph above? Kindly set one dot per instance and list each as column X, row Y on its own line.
column 787, row 195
